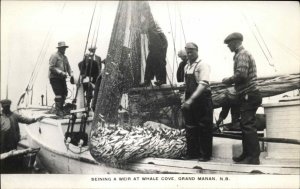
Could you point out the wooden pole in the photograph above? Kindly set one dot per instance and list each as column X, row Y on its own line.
column 264, row 139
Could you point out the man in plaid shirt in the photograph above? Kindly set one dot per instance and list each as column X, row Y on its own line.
column 244, row 80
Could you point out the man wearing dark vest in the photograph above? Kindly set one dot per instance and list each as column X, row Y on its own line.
column 244, row 80
column 197, row 108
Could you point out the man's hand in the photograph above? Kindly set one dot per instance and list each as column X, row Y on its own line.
column 64, row 74
column 187, row 104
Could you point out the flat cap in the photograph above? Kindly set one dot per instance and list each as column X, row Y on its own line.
column 233, row 36
column 191, row 45
column 5, row 102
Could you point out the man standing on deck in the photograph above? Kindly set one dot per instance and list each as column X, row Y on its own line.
column 89, row 72
column 244, row 80
column 180, row 71
column 198, row 108
column 156, row 59
column 10, row 134
column 59, row 70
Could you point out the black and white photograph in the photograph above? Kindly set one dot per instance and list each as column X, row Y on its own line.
column 150, row 94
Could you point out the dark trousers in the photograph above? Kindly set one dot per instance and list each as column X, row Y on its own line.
column 96, row 91
column 248, row 108
column 156, row 66
column 59, row 87
column 88, row 90
column 199, row 123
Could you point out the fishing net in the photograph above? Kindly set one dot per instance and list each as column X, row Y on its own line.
column 116, row 144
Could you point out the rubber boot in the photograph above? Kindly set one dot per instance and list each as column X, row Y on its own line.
column 205, row 141
column 59, row 107
column 192, row 144
column 244, row 152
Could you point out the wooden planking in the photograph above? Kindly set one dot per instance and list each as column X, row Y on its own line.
column 225, row 167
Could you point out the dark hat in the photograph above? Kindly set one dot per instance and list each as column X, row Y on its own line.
column 92, row 48
column 191, row 45
column 62, row 44
column 5, row 102
column 233, row 36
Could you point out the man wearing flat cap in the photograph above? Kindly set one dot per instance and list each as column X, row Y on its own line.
column 10, row 132
column 59, row 70
column 198, row 108
column 249, row 97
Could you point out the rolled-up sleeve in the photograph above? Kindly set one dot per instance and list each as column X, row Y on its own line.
column 202, row 73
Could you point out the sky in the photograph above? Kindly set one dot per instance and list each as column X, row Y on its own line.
column 30, row 31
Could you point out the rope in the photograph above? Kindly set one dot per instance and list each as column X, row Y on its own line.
column 271, row 64
column 98, row 25
column 263, row 40
column 172, row 34
column 181, row 23
column 87, row 40
column 39, row 60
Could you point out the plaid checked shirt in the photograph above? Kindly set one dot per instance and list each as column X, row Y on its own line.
column 245, row 74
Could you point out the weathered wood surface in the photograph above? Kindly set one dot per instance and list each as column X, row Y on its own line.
column 17, row 153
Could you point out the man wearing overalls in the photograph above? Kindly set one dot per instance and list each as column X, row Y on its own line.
column 197, row 108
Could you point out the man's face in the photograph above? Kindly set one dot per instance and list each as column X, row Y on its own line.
column 233, row 45
column 62, row 50
column 192, row 54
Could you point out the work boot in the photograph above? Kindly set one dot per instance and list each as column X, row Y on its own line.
column 250, row 160
column 59, row 107
column 159, row 83
column 239, row 158
column 145, row 84
column 204, row 159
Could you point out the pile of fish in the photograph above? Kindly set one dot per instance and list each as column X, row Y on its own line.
column 116, row 144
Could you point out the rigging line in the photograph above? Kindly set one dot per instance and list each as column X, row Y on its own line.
column 38, row 62
column 288, row 50
column 43, row 52
column 263, row 40
column 258, row 43
column 182, row 28
column 86, row 44
column 98, row 25
column 172, row 33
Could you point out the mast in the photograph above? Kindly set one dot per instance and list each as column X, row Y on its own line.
column 122, row 70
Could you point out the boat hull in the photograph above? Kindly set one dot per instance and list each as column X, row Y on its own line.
column 57, row 156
